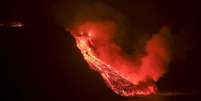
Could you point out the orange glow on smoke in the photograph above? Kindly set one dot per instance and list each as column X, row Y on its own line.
column 121, row 74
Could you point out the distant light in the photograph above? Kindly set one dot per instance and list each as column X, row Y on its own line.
column 16, row 24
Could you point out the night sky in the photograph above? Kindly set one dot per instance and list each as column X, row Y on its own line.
column 42, row 63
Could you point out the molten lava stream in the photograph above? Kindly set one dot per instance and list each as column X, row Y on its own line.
column 114, row 79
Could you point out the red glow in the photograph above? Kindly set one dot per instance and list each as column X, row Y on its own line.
column 121, row 74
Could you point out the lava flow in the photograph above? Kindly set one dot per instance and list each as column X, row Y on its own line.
column 123, row 75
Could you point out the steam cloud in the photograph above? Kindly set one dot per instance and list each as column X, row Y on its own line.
column 102, row 26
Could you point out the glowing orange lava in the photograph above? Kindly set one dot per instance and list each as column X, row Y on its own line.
column 120, row 74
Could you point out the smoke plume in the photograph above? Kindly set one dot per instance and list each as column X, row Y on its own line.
column 96, row 28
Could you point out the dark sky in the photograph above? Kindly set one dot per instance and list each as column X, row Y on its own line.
column 41, row 61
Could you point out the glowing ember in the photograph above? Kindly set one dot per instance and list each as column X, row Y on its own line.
column 120, row 74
